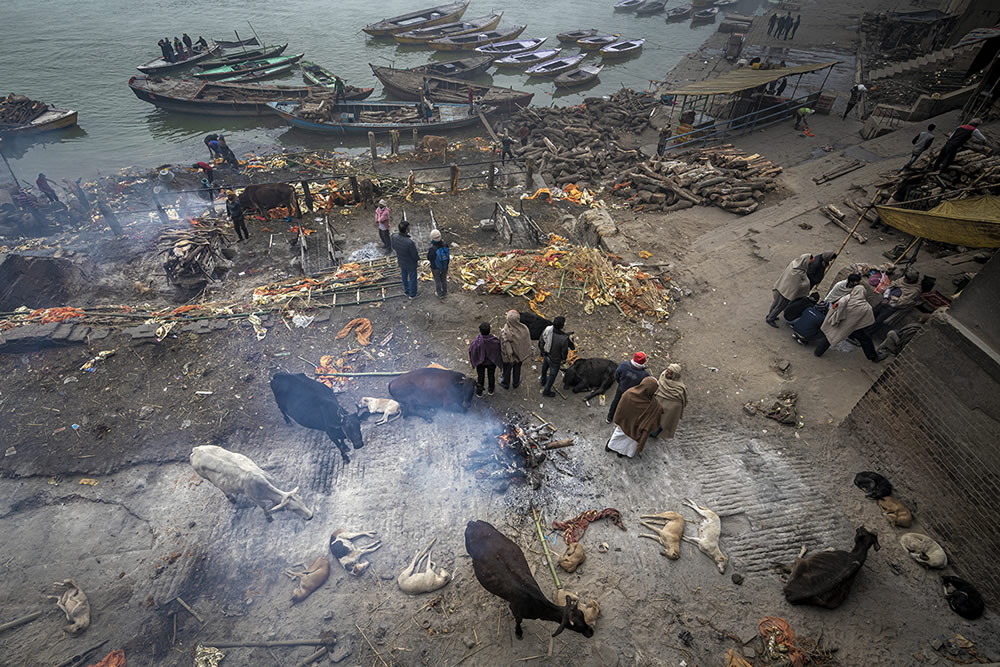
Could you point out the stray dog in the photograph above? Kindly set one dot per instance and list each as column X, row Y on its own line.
column 74, row 603
column 309, row 579
column 347, row 554
column 896, row 512
column 573, row 557
column 386, row 406
column 668, row 533
column 924, row 550
column 873, row 484
column 420, row 576
column 708, row 536
column 963, row 598
column 591, row 610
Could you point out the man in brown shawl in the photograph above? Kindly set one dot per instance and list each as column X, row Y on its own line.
column 792, row 283
column 515, row 347
column 671, row 394
column 637, row 416
column 848, row 317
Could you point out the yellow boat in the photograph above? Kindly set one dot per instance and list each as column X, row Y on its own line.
column 422, row 18
column 424, row 35
column 972, row 222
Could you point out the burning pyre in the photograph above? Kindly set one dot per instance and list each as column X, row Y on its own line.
column 513, row 453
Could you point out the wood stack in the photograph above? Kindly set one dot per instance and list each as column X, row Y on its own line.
column 579, row 144
column 969, row 169
column 193, row 255
column 721, row 175
column 18, row 110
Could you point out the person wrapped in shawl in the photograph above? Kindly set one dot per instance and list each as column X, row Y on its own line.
column 637, row 416
column 848, row 317
column 515, row 347
column 484, row 355
column 671, row 394
column 791, row 284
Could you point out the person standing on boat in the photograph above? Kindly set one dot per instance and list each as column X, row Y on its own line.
column 171, row 57
column 43, row 185
column 178, row 46
column 382, row 222
column 235, row 211
column 187, row 42
column 163, row 50
column 428, row 108
column 795, row 26
column 770, row 23
column 472, row 102
column 201, row 43
column 427, row 88
column 339, row 94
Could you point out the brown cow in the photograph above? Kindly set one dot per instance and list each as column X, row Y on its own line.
column 433, row 144
column 369, row 190
column 266, row 196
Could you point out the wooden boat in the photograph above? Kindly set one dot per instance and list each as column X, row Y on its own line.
column 650, row 8
column 449, row 29
column 260, row 74
column 378, row 117
column 724, row 3
column 463, row 68
column 596, row 42
column 247, row 67
column 622, row 49
column 316, row 75
column 522, row 60
column 515, row 46
column 20, row 115
column 705, row 15
column 572, row 36
column 629, row 5
column 419, row 19
column 225, row 99
column 679, row 13
column 161, row 66
column 471, row 41
column 244, row 55
column 230, row 44
column 701, row 3
column 556, row 66
column 578, row 77
column 409, row 85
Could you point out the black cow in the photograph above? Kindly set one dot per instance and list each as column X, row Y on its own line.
column 536, row 325
column 369, row 191
column 266, row 196
column 427, row 389
column 594, row 375
column 314, row 405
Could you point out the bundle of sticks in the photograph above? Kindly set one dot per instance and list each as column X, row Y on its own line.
column 193, row 255
column 721, row 175
column 975, row 171
column 18, row 110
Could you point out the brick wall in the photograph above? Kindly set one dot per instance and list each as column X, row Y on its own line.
column 931, row 425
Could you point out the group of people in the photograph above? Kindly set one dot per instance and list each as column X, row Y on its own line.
column 783, row 25
column 845, row 313
column 644, row 407
column 180, row 49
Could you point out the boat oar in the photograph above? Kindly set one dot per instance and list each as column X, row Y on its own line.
column 259, row 40
column 240, row 42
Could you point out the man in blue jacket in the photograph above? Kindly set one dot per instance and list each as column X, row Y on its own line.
column 628, row 374
column 407, row 257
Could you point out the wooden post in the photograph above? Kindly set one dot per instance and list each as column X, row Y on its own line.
column 109, row 217
column 454, row 178
column 307, row 195
column 394, row 142
column 491, row 177
column 164, row 218
column 374, row 147
column 415, row 140
column 356, row 190
column 530, row 166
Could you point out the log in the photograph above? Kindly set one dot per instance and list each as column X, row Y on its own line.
column 833, row 218
column 559, row 444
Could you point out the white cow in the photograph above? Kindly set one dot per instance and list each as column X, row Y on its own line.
column 234, row 474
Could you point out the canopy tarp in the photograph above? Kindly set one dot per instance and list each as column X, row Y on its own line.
column 972, row 222
column 745, row 78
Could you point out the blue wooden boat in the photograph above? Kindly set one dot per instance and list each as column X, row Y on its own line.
column 378, row 117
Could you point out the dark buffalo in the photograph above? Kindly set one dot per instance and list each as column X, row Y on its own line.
column 270, row 195
column 536, row 325
column 593, row 375
column 426, row 389
column 369, row 191
column 314, row 405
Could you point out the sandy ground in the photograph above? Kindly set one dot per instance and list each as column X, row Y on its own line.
column 151, row 530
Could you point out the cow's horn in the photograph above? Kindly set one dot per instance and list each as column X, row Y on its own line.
column 293, row 491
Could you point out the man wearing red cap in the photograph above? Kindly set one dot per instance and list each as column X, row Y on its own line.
column 628, row 374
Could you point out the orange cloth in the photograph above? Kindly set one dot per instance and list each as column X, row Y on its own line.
column 783, row 636
column 364, row 330
column 114, row 659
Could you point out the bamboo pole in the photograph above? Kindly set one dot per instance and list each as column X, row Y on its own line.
column 361, row 374
column 265, row 644
column 20, row 621
column 545, row 547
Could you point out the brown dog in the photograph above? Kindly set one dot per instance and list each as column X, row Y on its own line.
column 668, row 534
column 309, row 579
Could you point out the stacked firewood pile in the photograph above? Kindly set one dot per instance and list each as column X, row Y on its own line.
column 579, row 144
column 721, row 175
column 194, row 256
column 971, row 170
column 513, row 454
column 17, row 110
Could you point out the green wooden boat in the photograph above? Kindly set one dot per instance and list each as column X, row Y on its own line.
column 240, row 69
column 316, row 75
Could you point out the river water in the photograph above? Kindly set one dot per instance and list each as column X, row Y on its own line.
column 80, row 54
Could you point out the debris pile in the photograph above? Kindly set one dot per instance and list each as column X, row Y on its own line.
column 969, row 169
column 194, row 256
column 781, row 408
column 578, row 144
column 562, row 266
column 721, row 175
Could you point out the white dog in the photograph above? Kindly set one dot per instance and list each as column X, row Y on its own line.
column 386, row 406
